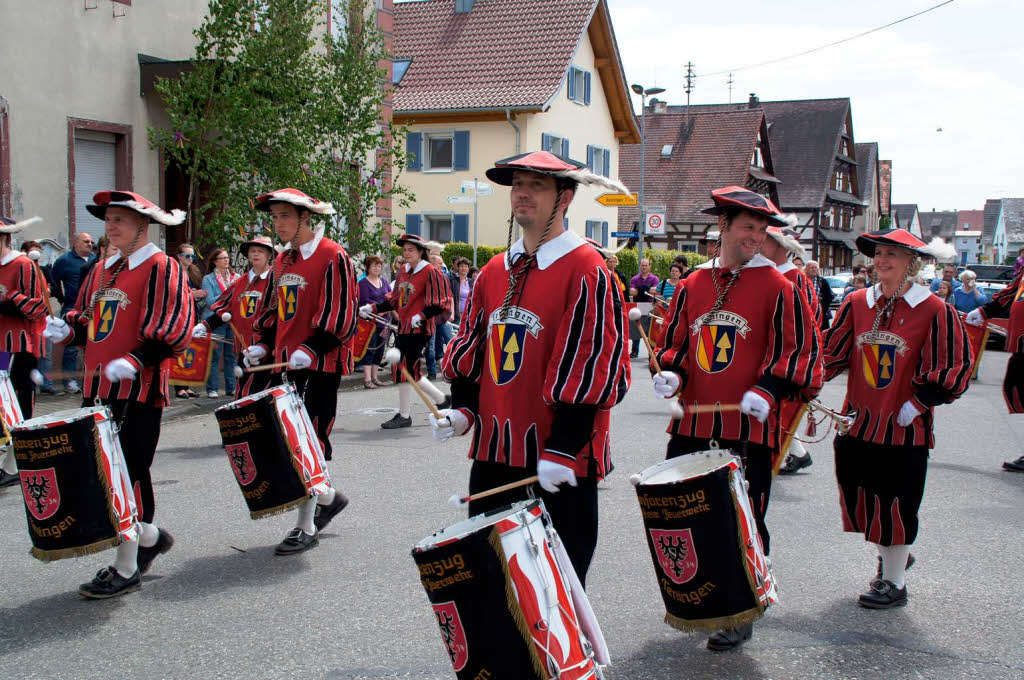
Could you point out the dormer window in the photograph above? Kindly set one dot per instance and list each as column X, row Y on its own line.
column 666, row 151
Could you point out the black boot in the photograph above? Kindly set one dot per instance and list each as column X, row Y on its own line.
column 1014, row 465
column 883, row 595
column 109, row 583
column 730, row 638
column 397, row 422
column 325, row 513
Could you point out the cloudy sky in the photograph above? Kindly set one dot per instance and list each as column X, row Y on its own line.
column 959, row 68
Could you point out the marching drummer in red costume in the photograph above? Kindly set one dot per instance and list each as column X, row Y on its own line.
column 738, row 332
column 24, row 305
column 420, row 293
column 307, row 322
column 240, row 305
column 1009, row 302
column 906, row 352
column 134, row 313
column 541, row 357
column 780, row 247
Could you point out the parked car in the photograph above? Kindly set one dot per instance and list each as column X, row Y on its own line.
column 838, row 285
column 994, row 273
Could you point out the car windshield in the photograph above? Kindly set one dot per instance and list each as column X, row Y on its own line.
column 992, row 272
column 835, row 282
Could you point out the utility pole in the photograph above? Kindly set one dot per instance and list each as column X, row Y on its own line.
column 729, row 83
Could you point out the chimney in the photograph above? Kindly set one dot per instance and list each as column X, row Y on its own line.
column 658, row 106
column 463, row 6
column 753, row 102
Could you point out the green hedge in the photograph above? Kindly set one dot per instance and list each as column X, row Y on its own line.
column 660, row 259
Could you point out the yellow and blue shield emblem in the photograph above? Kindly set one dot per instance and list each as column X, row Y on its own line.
column 505, row 343
column 188, row 359
column 716, row 346
column 879, row 364
column 247, row 304
column 102, row 322
column 287, row 300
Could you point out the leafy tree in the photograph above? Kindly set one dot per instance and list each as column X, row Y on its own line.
column 275, row 100
column 884, row 222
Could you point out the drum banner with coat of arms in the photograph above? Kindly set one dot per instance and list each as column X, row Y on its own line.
column 192, row 367
column 698, row 538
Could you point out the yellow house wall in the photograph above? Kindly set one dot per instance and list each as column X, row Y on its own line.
column 489, row 141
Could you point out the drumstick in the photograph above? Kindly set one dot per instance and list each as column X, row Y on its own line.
column 226, row 318
column 264, row 367
column 712, row 408
column 419, row 390
column 460, row 501
column 634, row 315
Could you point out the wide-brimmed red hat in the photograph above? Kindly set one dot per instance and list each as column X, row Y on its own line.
column 414, row 239
column 552, row 165
column 738, row 197
column 902, row 238
column 133, row 201
column 295, row 197
column 261, row 241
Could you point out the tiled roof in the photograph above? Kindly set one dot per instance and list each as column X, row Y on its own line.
column 867, row 168
column 991, row 217
column 1013, row 216
column 885, row 185
column 902, row 214
column 941, row 224
column 970, row 220
column 709, row 150
column 804, row 136
column 499, row 54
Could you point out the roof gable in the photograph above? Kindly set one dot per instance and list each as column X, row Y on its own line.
column 941, row 224
column 904, row 214
column 991, row 217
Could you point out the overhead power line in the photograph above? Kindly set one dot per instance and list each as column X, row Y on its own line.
column 832, row 44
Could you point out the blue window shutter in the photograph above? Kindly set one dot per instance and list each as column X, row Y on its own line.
column 586, row 88
column 604, row 234
column 460, row 229
column 589, row 231
column 572, row 83
column 565, row 147
column 565, row 222
column 545, row 142
column 590, row 157
column 413, row 144
column 461, row 151
column 412, row 224
column 607, row 163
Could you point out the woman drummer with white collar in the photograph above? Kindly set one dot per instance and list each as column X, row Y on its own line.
column 907, row 352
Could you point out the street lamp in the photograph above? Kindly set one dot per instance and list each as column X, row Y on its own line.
column 644, row 94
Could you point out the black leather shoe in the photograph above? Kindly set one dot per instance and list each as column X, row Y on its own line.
column 296, row 541
column 8, row 480
column 910, row 563
column 794, row 463
column 397, row 422
column 109, row 583
column 146, row 555
column 730, row 638
column 883, row 595
column 447, row 403
column 325, row 513
column 1014, row 465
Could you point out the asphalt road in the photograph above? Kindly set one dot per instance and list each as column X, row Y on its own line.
column 221, row 605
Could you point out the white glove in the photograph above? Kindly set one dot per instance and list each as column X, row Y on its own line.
column 57, row 329
column 907, row 413
column 365, row 311
column 118, row 370
column 666, row 384
column 299, row 359
column 416, row 321
column 552, row 474
column 253, row 354
column 200, row 330
column 753, row 404
column 975, row 318
column 452, row 423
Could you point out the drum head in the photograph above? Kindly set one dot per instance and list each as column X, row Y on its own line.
column 473, row 525
column 273, row 392
column 687, row 466
column 67, row 416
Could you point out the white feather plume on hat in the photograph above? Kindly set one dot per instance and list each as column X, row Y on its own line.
column 588, row 178
column 939, row 249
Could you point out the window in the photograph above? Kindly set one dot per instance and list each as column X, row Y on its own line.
column 400, row 66
column 757, row 158
column 555, row 144
column 841, row 180
column 99, row 158
column 438, row 151
column 578, row 86
column 337, row 22
column 666, row 151
column 597, row 230
column 438, row 228
column 599, row 160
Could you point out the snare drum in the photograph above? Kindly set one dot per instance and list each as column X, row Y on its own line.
column 10, row 409
column 507, row 600
column 78, row 496
column 273, row 450
column 700, row 529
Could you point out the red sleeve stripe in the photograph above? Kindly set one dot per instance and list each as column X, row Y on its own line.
column 465, row 355
column 677, row 335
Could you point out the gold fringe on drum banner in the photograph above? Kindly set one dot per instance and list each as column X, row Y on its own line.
column 513, row 604
column 281, row 509
column 80, row 551
column 711, row 625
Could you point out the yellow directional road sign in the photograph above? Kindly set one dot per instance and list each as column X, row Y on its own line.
column 619, row 199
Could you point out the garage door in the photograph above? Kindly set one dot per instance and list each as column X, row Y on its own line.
column 95, row 163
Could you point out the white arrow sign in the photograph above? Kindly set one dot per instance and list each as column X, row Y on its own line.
column 482, row 188
column 459, row 199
